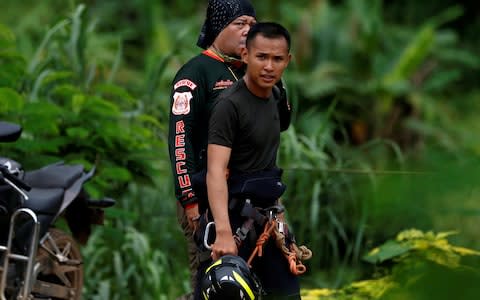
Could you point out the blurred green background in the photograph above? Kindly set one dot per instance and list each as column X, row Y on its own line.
column 384, row 136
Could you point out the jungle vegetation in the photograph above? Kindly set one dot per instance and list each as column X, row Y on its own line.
column 381, row 160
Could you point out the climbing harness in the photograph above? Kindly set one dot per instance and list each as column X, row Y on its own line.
column 272, row 228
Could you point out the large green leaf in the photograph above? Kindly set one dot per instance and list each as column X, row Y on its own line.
column 412, row 56
column 387, row 251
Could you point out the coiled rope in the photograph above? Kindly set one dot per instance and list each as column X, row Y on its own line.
column 294, row 254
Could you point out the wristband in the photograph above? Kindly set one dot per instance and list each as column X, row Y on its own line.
column 191, row 205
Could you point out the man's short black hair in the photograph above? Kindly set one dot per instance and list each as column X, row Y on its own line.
column 268, row 30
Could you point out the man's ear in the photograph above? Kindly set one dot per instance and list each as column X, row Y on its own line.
column 244, row 55
column 289, row 58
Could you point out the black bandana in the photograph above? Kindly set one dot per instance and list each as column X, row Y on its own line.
column 220, row 13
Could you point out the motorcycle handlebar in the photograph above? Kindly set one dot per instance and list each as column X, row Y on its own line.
column 14, row 179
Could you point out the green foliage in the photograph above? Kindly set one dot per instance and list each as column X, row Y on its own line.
column 70, row 111
column 11, row 63
column 419, row 265
column 359, row 79
column 378, row 92
column 144, row 252
column 314, row 163
column 440, row 196
column 134, row 268
column 414, row 244
column 383, row 75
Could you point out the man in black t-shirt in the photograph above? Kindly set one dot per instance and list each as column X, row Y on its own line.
column 244, row 136
column 194, row 89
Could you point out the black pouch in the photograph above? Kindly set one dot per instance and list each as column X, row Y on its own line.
column 263, row 187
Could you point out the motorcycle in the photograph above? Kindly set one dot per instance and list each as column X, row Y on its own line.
column 38, row 260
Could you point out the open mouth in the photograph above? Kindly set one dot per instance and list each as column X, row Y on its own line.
column 268, row 78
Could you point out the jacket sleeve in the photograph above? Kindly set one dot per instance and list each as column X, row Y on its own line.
column 185, row 99
column 284, row 107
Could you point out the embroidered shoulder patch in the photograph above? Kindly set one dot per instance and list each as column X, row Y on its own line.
column 185, row 82
column 181, row 103
column 222, row 84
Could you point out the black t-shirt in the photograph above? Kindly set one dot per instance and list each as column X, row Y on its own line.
column 247, row 124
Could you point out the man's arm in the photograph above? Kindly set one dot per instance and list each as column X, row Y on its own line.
column 218, row 158
column 185, row 98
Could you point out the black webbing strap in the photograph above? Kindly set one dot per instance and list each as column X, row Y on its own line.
column 254, row 216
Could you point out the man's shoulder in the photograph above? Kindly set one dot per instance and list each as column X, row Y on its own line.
column 198, row 63
column 196, row 69
column 231, row 98
column 235, row 93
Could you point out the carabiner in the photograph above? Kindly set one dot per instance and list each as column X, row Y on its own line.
column 205, row 237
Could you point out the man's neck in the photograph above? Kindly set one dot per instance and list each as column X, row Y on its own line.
column 227, row 58
column 255, row 89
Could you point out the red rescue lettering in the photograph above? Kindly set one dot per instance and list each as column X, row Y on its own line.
column 179, row 127
column 178, row 167
column 180, row 154
column 184, row 181
column 180, row 140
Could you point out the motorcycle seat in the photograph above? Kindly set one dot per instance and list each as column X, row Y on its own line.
column 45, row 201
column 56, row 175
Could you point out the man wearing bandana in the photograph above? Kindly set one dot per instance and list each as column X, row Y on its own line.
column 194, row 90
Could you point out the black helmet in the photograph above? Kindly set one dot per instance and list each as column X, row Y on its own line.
column 230, row 278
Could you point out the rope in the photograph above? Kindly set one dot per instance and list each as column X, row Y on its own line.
column 269, row 227
column 294, row 255
column 303, row 253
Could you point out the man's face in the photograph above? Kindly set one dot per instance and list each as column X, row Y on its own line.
column 231, row 39
column 266, row 59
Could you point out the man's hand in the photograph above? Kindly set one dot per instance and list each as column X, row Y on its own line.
column 192, row 214
column 224, row 244
column 218, row 158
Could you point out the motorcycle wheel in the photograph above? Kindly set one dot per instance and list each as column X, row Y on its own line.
column 60, row 268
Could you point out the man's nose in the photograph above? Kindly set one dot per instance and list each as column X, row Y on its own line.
column 246, row 29
column 268, row 65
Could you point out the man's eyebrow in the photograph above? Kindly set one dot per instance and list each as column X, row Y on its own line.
column 245, row 18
